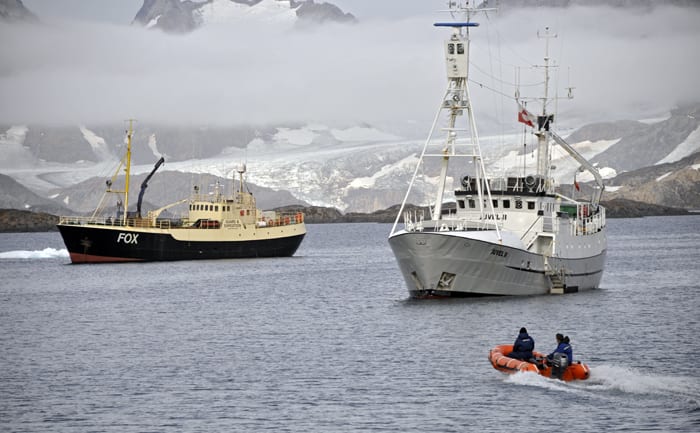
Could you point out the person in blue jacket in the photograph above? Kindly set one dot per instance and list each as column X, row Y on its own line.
column 564, row 347
column 523, row 346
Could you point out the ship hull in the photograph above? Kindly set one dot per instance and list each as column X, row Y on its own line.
column 104, row 244
column 438, row 264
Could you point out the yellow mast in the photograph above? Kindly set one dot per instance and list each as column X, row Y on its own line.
column 127, row 169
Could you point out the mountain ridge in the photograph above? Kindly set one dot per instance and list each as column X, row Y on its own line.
column 353, row 170
column 176, row 16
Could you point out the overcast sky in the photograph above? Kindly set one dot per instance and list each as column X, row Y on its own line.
column 86, row 64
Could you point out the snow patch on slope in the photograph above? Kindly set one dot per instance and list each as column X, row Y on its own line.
column 15, row 135
column 98, row 144
column 267, row 11
column 153, row 22
column 511, row 163
column 12, row 147
column 663, row 176
column 688, row 147
column 567, row 166
column 297, row 137
column 368, row 182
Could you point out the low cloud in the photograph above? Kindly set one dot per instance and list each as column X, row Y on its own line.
column 622, row 64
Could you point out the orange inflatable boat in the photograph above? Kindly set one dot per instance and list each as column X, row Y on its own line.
column 500, row 361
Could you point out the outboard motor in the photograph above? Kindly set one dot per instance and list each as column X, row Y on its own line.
column 559, row 363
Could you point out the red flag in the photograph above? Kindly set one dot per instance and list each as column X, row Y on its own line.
column 526, row 117
column 578, row 188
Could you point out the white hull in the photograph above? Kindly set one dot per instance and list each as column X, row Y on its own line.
column 461, row 264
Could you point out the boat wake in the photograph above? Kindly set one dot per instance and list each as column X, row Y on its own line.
column 632, row 381
column 618, row 379
column 46, row 253
column 529, row 378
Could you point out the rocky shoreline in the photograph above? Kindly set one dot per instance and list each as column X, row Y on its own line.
column 16, row 221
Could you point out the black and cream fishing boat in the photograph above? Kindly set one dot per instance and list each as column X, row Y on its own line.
column 500, row 235
column 215, row 227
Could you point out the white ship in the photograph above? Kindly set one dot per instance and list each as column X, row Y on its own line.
column 496, row 235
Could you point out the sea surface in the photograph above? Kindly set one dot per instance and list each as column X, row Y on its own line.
column 327, row 341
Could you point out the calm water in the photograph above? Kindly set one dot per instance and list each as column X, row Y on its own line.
column 327, row 341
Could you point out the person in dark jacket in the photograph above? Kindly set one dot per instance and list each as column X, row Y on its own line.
column 523, row 346
column 564, row 347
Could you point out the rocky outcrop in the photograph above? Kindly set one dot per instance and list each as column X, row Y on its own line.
column 673, row 184
column 15, row 11
column 172, row 16
column 623, row 208
column 13, row 221
column 311, row 12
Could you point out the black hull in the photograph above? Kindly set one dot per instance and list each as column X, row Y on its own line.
column 95, row 244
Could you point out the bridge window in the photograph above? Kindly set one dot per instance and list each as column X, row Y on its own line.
column 495, row 203
column 216, row 208
column 472, row 203
column 506, row 204
column 531, row 205
column 460, row 203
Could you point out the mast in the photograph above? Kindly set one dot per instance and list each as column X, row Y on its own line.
column 457, row 58
column 127, row 168
column 545, row 134
column 455, row 100
column 543, row 121
column 241, row 169
column 457, row 51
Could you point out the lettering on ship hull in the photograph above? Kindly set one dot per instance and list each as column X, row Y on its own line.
column 128, row 238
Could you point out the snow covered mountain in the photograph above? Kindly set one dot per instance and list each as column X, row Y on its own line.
column 14, row 11
column 183, row 16
column 358, row 169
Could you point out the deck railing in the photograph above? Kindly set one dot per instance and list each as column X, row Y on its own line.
column 119, row 222
column 280, row 219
